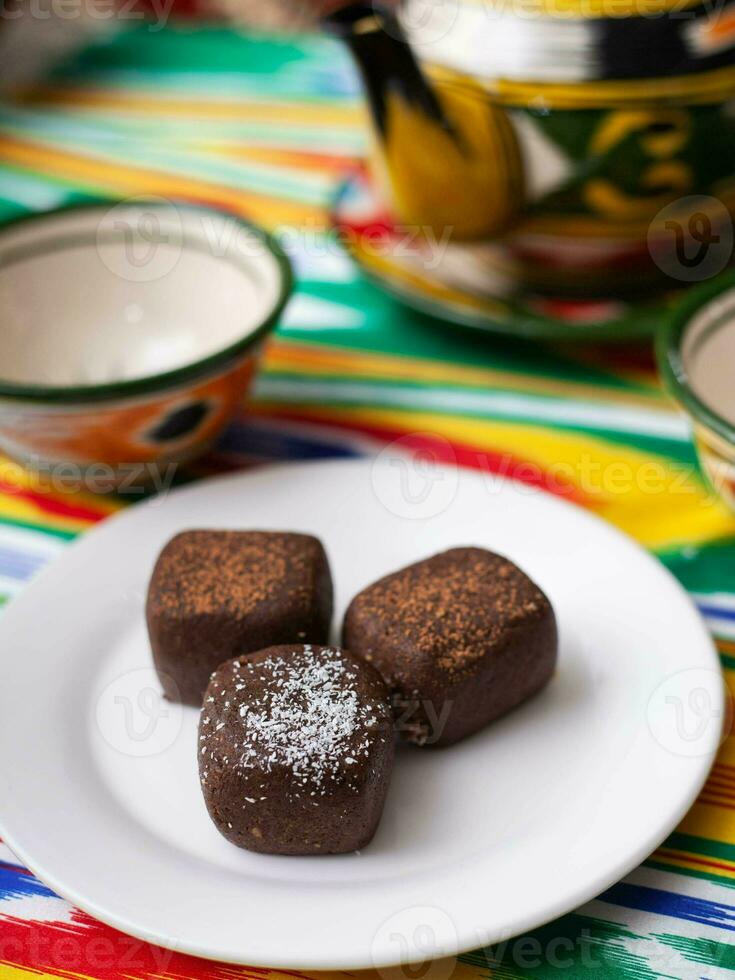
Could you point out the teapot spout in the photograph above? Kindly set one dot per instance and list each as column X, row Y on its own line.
column 450, row 158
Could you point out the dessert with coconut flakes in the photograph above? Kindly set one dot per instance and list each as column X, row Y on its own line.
column 220, row 594
column 296, row 750
column 460, row 639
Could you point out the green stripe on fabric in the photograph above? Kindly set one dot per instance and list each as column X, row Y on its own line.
column 53, row 532
column 575, row 946
column 706, row 951
column 209, row 51
column 706, row 568
column 9, row 210
column 391, row 328
column 701, row 845
column 23, row 190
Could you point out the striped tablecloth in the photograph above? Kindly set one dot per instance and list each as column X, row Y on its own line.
column 266, row 128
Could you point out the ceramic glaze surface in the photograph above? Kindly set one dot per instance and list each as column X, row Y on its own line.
column 708, row 353
column 130, row 333
column 696, row 355
column 111, row 296
column 559, row 130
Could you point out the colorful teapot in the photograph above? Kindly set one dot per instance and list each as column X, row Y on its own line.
column 579, row 133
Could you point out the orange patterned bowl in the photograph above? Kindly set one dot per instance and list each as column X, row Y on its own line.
column 129, row 335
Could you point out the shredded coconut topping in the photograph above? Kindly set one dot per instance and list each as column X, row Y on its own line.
column 309, row 718
column 305, row 714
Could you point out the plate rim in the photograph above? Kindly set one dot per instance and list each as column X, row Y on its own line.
column 284, row 960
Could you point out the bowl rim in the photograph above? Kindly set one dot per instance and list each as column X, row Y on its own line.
column 150, row 383
column 671, row 364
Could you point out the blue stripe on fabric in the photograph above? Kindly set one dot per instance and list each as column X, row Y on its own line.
column 20, row 565
column 716, row 611
column 15, row 883
column 686, row 907
column 271, row 444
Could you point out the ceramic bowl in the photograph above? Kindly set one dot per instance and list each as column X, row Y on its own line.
column 129, row 334
column 696, row 355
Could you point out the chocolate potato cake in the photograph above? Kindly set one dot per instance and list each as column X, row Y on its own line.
column 296, row 750
column 460, row 639
column 215, row 595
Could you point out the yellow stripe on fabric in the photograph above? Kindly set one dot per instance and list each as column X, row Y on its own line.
column 710, row 822
column 148, row 103
column 726, row 756
column 33, row 499
column 448, row 968
column 205, row 968
column 647, row 496
column 14, row 509
column 10, row 972
column 78, row 171
column 707, row 819
column 299, row 160
column 685, row 862
column 290, row 357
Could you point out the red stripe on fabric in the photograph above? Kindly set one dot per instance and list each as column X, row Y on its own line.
column 52, row 505
column 710, row 801
column 722, row 865
column 720, row 789
column 443, row 450
column 85, row 947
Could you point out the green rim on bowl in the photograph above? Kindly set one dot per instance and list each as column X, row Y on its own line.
column 155, row 382
column 670, row 340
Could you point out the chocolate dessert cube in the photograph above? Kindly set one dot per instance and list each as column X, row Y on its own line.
column 460, row 639
column 296, row 750
column 215, row 595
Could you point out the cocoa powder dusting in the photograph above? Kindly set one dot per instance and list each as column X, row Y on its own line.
column 231, row 572
column 453, row 606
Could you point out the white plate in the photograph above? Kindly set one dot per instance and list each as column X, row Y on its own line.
column 523, row 822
